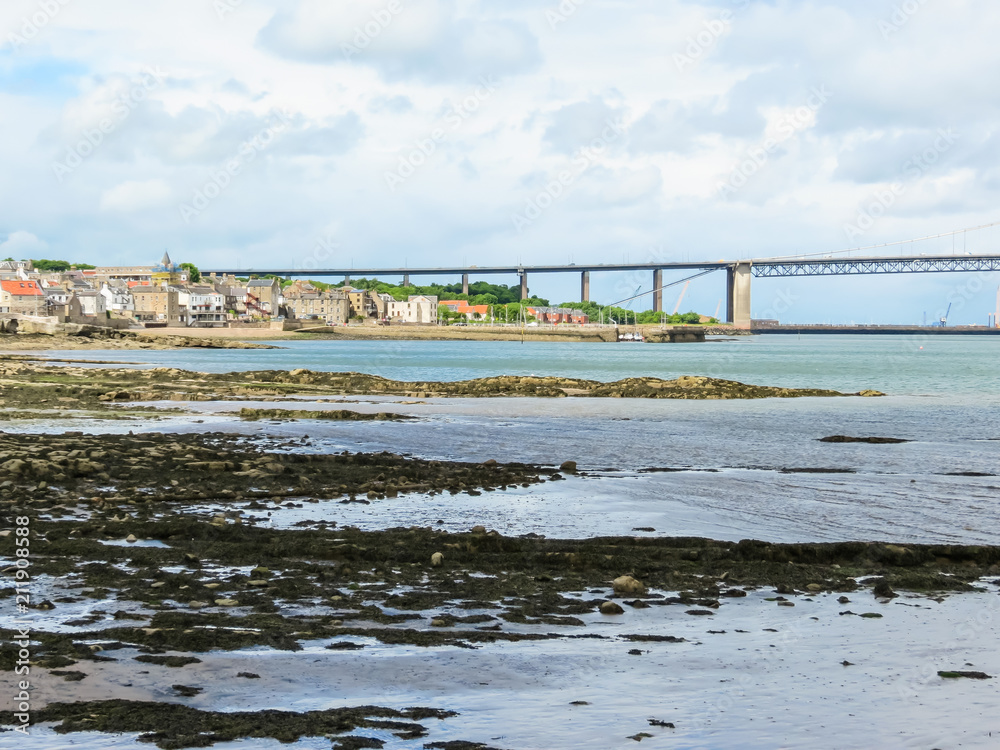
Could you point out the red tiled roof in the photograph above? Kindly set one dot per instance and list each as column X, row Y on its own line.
column 22, row 288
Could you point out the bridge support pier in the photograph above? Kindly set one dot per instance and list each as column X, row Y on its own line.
column 406, row 279
column 347, row 280
column 524, row 283
column 585, row 286
column 465, row 283
column 658, row 290
column 738, row 294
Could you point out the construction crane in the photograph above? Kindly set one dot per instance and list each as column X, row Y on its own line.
column 944, row 318
column 683, row 292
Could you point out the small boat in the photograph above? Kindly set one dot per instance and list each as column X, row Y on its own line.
column 630, row 336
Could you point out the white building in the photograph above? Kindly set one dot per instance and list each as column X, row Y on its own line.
column 417, row 309
column 92, row 303
column 117, row 296
column 205, row 306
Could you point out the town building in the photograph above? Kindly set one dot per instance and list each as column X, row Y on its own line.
column 364, row 304
column 234, row 293
column 167, row 272
column 157, row 305
column 93, row 304
column 304, row 301
column 417, row 309
column 21, row 297
column 263, row 297
column 117, row 296
column 462, row 307
column 555, row 315
column 205, row 307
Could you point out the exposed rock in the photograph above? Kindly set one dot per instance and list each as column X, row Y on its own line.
column 883, row 590
column 848, row 439
column 437, row 559
column 628, row 585
column 568, row 466
column 611, row 608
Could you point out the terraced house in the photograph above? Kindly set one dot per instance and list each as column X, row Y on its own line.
column 304, row 301
column 21, row 297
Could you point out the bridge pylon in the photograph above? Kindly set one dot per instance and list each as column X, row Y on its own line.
column 738, row 278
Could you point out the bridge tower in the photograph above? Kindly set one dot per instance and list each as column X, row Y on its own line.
column 738, row 294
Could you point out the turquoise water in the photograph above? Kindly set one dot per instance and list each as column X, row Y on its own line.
column 743, row 460
column 902, row 365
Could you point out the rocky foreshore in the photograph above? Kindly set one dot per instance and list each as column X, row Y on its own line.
column 93, row 337
column 171, row 534
column 26, row 384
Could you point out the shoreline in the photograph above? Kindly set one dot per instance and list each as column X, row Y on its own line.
column 177, row 338
column 138, row 585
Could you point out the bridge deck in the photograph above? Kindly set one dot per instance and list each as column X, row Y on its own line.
column 763, row 267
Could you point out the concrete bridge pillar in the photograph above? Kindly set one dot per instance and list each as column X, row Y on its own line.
column 347, row 280
column 524, row 283
column 738, row 294
column 406, row 279
column 465, row 283
column 658, row 290
column 585, row 286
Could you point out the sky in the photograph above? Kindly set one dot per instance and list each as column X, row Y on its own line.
column 328, row 133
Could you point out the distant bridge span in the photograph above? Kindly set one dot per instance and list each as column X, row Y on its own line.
column 738, row 272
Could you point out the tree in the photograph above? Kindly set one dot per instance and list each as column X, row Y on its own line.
column 194, row 275
column 51, row 266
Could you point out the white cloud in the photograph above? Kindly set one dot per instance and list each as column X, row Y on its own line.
column 136, row 196
column 403, row 39
column 351, row 117
column 21, row 245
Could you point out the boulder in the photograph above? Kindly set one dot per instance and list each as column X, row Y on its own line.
column 610, row 608
column 628, row 585
column 568, row 466
column 437, row 559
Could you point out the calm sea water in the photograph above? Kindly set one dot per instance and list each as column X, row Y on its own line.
column 749, row 467
column 741, row 477
column 925, row 365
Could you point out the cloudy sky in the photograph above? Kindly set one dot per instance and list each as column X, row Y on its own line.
column 317, row 133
